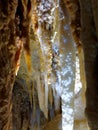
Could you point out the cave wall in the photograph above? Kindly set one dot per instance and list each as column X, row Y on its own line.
column 14, row 31
column 90, row 43
column 8, row 49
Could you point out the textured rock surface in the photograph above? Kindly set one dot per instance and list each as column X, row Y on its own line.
column 8, row 49
column 90, row 42
column 13, row 33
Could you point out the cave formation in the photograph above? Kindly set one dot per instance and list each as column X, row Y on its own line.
column 38, row 44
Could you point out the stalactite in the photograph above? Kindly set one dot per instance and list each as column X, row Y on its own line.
column 42, row 23
column 56, row 68
column 46, row 53
column 75, row 24
column 67, row 59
